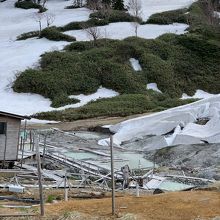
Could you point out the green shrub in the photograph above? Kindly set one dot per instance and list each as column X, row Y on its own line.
column 87, row 45
column 62, row 99
column 27, row 35
column 83, row 24
column 115, row 16
column 51, row 33
column 122, row 105
column 98, row 19
column 27, row 4
column 169, row 17
column 176, row 63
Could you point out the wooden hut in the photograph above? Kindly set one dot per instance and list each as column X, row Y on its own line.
column 9, row 137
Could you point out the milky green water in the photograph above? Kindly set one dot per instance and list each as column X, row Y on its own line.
column 81, row 155
column 173, row 186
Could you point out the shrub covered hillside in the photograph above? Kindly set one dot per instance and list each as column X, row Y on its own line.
column 176, row 63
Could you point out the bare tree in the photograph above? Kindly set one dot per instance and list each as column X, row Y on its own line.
column 78, row 3
column 49, row 18
column 135, row 8
column 209, row 8
column 43, row 5
column 93, row 33
column 94, row 4
column 38, row 17
column 136, row 26
column 105, row 10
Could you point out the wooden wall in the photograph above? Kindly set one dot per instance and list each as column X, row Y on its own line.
column 11, row 138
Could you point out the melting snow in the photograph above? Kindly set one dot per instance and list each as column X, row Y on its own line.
column 159, row 124
column 122, row 30
column 200, row 94
column 84, row 99
column 153, row 86
column 135, row 64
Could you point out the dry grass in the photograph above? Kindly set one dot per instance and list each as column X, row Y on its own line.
column 170, row 206
column 195, row 205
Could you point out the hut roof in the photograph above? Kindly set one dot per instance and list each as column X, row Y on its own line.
column 7, row 114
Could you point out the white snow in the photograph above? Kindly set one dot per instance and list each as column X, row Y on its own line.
column 150, row 7
column 18, row 21
column 18, row 55
column 135, row 64
column 122, row 30
column 172, row 137
column 84, row 99
column 153, row 86
column 38, row 121
column 161, row 123
column 199, row 94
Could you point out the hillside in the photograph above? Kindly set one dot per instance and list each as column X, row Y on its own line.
column 177, row 64
column 124, row 80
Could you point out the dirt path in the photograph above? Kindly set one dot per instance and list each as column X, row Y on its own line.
column 84, row 124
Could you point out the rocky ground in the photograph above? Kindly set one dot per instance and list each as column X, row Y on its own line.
column 201, row 160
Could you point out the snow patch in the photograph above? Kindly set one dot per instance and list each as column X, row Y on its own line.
column 150, row 7
column 161, row 123
column 135, row 64
column 84, row 99
column 172, row 137
column 153, row 86
column 38, row 121
column 199, row 94
column 122, row 30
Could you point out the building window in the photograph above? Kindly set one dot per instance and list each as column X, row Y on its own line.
column 2, row 127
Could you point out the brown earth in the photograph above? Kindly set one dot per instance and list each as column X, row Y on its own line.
column 194, row 205
column 169, row 206
column 83, row 124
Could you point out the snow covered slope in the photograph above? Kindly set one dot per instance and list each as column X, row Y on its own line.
column 181, row 120
column 122, row 30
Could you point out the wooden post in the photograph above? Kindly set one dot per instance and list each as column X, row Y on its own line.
column 65, row 188
column 39, row 176
column 43, row 161
column 33, row 143
column 22, row 151
column 137, row 189
column 25, row 129
column 30, row 139
column 5, row 148
column 112, row 174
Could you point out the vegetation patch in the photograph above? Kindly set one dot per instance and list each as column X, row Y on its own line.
column 122, row 105
column 199, row 16
column 51, row 33
column 169, row 17
column 28, row 35
column 176, row 63
column 115, row 16
column 28, row 4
